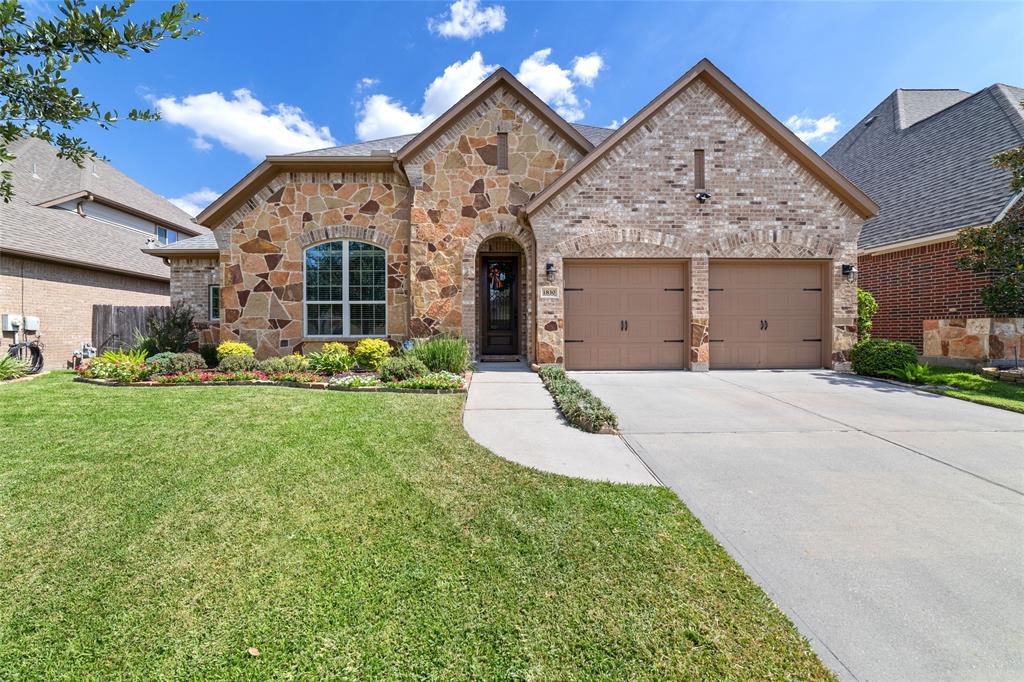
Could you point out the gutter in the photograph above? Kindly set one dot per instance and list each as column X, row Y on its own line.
column 84, row 265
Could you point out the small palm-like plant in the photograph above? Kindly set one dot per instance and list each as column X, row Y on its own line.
column 912, row 373
column 12, row 367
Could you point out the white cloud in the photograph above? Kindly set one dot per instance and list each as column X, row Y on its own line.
column 552, row 83
column 813, row 129
column 617, row 122
column 194, row 202
column 244, row 124
column 585, row 69
column 366, row 83
column 465, row 19
column 382, row 116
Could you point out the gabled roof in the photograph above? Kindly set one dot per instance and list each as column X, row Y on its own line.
column 204, row 244
column 43, row 179
column 500, row 78
column 385, row 152
column 32, row 225
column 929, row 166
column 754, row 112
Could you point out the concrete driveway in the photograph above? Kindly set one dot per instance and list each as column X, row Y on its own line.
column 888, row 523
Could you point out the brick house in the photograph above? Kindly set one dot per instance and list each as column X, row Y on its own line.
column 926, row 157
column 701, row 234
column 71, row 238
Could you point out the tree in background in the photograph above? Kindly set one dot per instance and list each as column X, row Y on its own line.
column 35, row 56
column 999, row 247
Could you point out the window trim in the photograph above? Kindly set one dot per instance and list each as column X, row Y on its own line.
column 214, row 311
column 346, row 303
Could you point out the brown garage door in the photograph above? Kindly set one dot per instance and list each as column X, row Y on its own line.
column 626, row 314
column 766, row 315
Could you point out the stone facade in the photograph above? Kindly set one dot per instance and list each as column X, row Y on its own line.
column 974, row 341
column 62, row 297
column 462, row 197
column 263, row 251
column 447, row 201
column 638, row 202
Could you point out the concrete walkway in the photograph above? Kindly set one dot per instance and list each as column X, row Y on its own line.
column 509, row 411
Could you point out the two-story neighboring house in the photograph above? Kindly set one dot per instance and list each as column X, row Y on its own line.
column 925, row 156
column 702, row 234
column 73, row 237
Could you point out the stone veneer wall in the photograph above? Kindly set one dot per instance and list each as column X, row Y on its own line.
column 262, row 246
column 638, row 202
column 974, row 341
column 462, row 198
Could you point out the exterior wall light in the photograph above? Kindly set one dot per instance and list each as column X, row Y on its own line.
column 702, row 196
column 549, row 270
column 849, row 271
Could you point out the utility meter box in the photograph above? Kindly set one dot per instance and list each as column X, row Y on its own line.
column 31, row 323
column 10, row 322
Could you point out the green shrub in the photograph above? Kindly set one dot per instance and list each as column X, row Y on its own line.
column 442, row 353
column 124, row 367
column 160, row 361
column 209, row 353
column 874, row 357
column 445, row 381
column 229, row 348
column 333, row 358
column 238, row 363
column 402, row 367
column 867, row 306
column 287, row 363
column 176, row 363
column 12, row 368
column 370, row 353
column 171, row 333
column 581, row 408
column 912, row 373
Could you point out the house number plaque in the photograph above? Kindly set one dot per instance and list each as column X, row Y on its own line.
column 549, row 292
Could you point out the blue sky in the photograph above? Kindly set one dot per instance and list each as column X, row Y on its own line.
column 269, row 77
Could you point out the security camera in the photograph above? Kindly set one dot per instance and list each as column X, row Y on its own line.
column 702, row 196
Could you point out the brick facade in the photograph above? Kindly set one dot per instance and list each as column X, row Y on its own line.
column 919, row 284
column 191, row 279
column 637, row 202
column 62, row 296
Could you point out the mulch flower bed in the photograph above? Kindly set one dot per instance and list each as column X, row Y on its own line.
column 357, row 382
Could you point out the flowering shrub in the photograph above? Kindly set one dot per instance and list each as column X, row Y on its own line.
column 298, row 377
column 204, row 377
column 371, row 353
column 233, row 348
column 355, row 380
column 434, row 381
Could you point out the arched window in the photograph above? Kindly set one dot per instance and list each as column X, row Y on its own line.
column 345, row 290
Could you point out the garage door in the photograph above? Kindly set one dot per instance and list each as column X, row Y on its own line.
column 626, row 315
column 766, row 315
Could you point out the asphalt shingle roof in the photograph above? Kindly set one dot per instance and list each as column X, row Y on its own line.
column 593, row 134
column 39, row 177
column 925, row 156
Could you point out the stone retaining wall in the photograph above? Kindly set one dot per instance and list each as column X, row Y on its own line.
column 974, row 341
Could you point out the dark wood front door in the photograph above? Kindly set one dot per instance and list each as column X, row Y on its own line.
column 500, row 302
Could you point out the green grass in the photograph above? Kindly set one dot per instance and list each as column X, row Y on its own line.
column 977, row 388
column 154, row 533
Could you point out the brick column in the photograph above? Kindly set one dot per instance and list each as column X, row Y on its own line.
column 700, row 348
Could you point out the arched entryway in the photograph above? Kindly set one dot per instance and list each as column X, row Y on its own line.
column 497, row 306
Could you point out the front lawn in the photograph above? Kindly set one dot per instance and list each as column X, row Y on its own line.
column 152, row 533
column 977, row 388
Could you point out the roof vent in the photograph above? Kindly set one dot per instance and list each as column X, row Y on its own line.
column 35, row 174
column 869, row 121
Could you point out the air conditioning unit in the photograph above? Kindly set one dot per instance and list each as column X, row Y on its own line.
column 10, row 322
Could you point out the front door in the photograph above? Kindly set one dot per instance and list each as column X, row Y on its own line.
column 500, row 297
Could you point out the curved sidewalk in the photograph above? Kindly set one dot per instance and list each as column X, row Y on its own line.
column 509, row 412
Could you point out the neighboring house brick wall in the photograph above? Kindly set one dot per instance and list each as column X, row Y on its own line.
column 262, row 251
column 62, row 297
column 918, row 284
column 638, row 202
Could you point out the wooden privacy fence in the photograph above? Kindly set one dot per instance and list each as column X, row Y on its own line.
column 114, row 326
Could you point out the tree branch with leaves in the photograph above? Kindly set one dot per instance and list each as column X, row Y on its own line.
column 36, row 55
